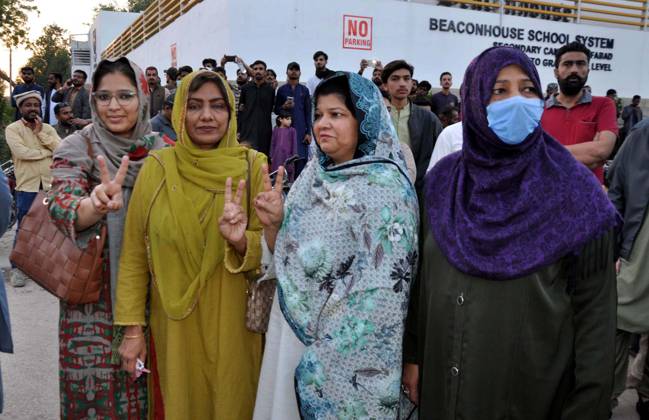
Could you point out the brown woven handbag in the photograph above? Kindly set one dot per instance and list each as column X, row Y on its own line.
column 260, row 293
column 54, row 261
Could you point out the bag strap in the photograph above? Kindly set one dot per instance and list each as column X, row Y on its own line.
column 91, row 153
column 252, row 152
column 103, row 232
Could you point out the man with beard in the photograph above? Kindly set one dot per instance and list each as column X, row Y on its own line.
column 417, row 127
column 171, row 75
column 54, row 83
column 32, row 143
column 255, row 106
column 63, row 113
column 320, row 59
column 376, row 73
column 242, row 79
column 585, row 124
column 157, row 92
column 444, row 98
column 75, row 93
column 27, row 74
column 295, row 99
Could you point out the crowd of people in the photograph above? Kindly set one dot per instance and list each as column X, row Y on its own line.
column 466, row 257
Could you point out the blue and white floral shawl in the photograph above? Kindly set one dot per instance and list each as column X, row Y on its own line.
column 345, row 257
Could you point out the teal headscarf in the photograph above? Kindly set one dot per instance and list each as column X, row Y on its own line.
column 345, row 257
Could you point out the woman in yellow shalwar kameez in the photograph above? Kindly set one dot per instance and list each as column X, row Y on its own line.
column 187, row 243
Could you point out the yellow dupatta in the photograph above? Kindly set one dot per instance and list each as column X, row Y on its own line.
column 200, row 246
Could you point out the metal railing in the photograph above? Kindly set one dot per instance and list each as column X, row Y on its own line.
column 159, row 15
column 629, row 13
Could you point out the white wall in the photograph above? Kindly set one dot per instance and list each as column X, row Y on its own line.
column 106, row 27
column 292, row 30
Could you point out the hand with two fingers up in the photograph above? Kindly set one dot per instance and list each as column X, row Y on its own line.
column 107, row 196
column 269, row 205
column 234, row 221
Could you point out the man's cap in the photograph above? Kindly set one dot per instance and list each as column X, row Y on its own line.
column 20, row 98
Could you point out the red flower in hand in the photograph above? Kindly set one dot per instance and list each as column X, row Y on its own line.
column 138, row 153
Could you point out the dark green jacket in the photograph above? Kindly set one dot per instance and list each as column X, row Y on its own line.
column 539, row 347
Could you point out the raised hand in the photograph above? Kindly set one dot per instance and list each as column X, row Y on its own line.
column 269, row 203
column 107, row 196
column 233, row 222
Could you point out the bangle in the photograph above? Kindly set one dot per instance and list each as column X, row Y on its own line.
column 134, row 336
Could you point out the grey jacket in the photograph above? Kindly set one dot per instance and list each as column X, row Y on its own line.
column 157, row 100
column 81, row 105
column 424, row 127
column 629, row 184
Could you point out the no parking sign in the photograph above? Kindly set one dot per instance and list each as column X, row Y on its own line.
column 357, row 32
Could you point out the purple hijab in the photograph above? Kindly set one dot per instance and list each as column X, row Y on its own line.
column 502, row 211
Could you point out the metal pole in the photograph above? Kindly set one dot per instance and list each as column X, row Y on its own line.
column 501, row 10
column 646, row 15
column 578, row 11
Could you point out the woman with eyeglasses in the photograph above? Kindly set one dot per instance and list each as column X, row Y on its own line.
column 94, row 171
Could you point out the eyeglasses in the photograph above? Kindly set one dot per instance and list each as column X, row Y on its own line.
column 123, row 97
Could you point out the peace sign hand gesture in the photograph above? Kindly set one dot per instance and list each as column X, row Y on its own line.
column 233, row 222
column 107, row 196
column 270, row 203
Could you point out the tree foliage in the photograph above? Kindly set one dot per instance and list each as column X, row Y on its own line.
column 138, row 5
column 111, row 6
column 51, row 53
column 134, row 6
column 14, row 27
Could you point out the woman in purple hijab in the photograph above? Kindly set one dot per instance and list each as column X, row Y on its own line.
column 513, row 312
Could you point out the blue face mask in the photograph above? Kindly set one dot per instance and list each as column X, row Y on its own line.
column 513, row 119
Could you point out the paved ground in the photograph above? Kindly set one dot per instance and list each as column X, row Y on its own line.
column 30, row 375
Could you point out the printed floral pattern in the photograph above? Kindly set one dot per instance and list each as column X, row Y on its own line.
column 91, row 385
column 345, row 258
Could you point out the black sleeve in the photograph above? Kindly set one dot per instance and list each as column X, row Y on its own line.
column 616, row 175
column 594, row 317
column 279, row 101
column 85, row 105
column 411, row 336
column 58, row 97
column 411, row 332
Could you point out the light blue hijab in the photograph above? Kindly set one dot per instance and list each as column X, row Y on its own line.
column 345, row 257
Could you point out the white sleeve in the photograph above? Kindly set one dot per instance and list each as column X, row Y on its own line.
column 267, row 261
column 448, row 141
column 442, row 148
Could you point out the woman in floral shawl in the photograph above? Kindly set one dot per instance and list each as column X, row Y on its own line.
column 345, row 255
column 94, row 171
